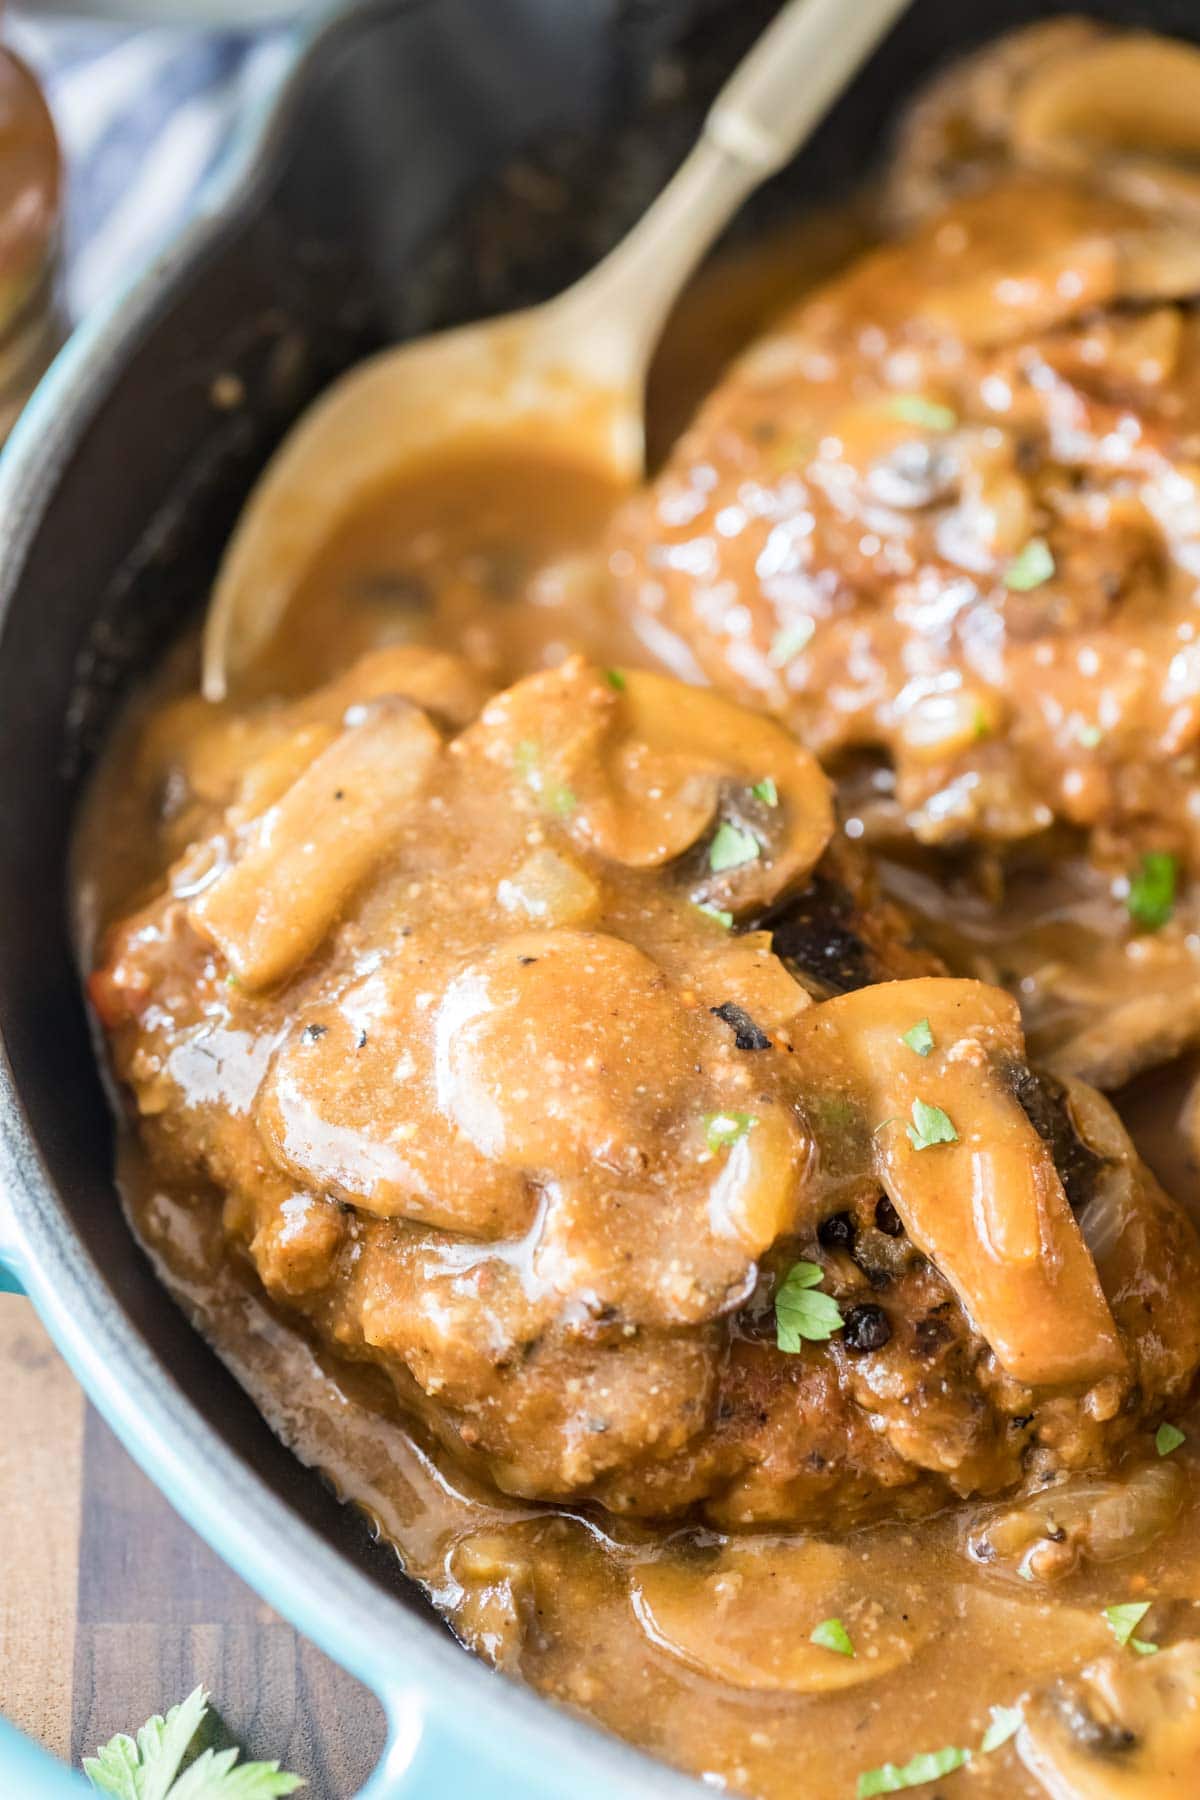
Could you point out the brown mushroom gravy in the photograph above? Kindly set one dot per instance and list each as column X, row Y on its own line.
column 611, row 1021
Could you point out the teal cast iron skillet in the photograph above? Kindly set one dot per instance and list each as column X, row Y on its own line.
column 366, row 203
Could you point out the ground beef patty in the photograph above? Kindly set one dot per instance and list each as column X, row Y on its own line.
column 550, row 1059
column 945, row 513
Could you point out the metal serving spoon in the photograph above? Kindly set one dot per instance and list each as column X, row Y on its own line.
column 568, row 375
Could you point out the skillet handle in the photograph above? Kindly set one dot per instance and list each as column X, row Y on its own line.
column 11, row 1257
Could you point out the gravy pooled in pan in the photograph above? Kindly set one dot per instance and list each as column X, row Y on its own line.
column 745, row 1335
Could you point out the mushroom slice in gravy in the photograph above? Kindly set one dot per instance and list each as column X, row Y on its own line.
column 1128, row 1727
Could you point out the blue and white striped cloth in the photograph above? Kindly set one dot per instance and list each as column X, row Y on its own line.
column 144, row 115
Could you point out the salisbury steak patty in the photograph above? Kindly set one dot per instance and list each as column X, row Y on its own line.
column 479, row 1025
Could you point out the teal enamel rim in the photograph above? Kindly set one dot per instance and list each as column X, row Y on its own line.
column 454, row 1726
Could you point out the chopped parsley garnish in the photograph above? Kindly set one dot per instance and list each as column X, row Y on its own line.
column 766, row 791
column 917, row 409
column 930, row 1126
column 1168, row 1438
column 831, row 1634
column 926, row 1765
column 721, row 1129
column 731, row 848
column 801, row 1312
column 1124, row 1620
column 554, row 795
column 615, row 679
column 1006, row 1722
column 919, row 1037
column 715, row 912
column 1030, row 567
column 790, row 641
column 1151, row 898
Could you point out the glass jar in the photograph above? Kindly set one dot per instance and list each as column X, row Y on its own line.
column 32, row 323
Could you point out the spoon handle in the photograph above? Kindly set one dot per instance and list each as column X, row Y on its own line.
column 790, row 77
column 607, row 325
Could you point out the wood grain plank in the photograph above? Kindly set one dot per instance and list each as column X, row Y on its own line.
column 159, row 1612
column 42, row 1419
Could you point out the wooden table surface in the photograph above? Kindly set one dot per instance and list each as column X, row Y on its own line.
column 111, row 1608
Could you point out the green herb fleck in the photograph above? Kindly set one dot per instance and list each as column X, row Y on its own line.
column 1168, row 1438
column 800, row 1312
column 714, row 912
column 917, row 409
column 927, row 1765
column 930, row 1126
column 919, row 1037
column 1088, row 735
column 1006, row 1722
column 1151, row 899
column 766, row 791
column 615, row 679
column 231, row 980
column 554, row 795
column 791, row 641
column 1124, row 1620
column 1030, row 567
column 148, row 1769
column 731, row 848
column 831, row 1634
column 721, row 1129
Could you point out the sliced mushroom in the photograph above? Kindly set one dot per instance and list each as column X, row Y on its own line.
column 1126, row 107
column 643, row 770
column 306, row 855
column 746, row 1619
column 983, row 1199
column 1127, row 1729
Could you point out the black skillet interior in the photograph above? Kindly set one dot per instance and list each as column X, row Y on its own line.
column 382, row 206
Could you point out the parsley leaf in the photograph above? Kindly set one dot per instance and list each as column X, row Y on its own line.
column 930, row 1126
column 1168, row 1438
column 916, row 409
column 766, row 791
column 1124, row 1620
column 615, row 680
column 731, row 848
column 1006, row 1722
column 801, row 1313
column 927, row 1765
column 715, row 912
column 721, row 1129
column 213, row 1777
column 919, row 1037
column 790, row 642
column 1151, row 898
column 1030, row 567
column 149, row 1768
column 831, row 1634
